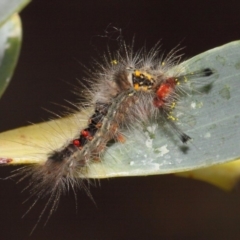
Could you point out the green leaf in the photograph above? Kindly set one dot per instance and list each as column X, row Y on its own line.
column 211, row 118
column 9, row 7
column 10, row 43
column 10, row 39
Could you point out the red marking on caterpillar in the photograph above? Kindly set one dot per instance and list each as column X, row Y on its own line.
column 126, row 89
column 5, row 160
column 76, row 143
column 164, row 91
column 168, row 91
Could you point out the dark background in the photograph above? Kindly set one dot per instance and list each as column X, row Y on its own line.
column 58, row 34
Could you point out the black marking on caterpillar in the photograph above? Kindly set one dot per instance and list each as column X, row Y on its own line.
column 66, row 168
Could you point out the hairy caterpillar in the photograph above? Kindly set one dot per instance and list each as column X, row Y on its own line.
column 128, row 90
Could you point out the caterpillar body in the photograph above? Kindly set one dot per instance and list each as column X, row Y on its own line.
column 129, row 89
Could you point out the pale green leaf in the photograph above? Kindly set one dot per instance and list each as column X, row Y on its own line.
column 10, row 43
column 10, row 7
column 212, row 119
